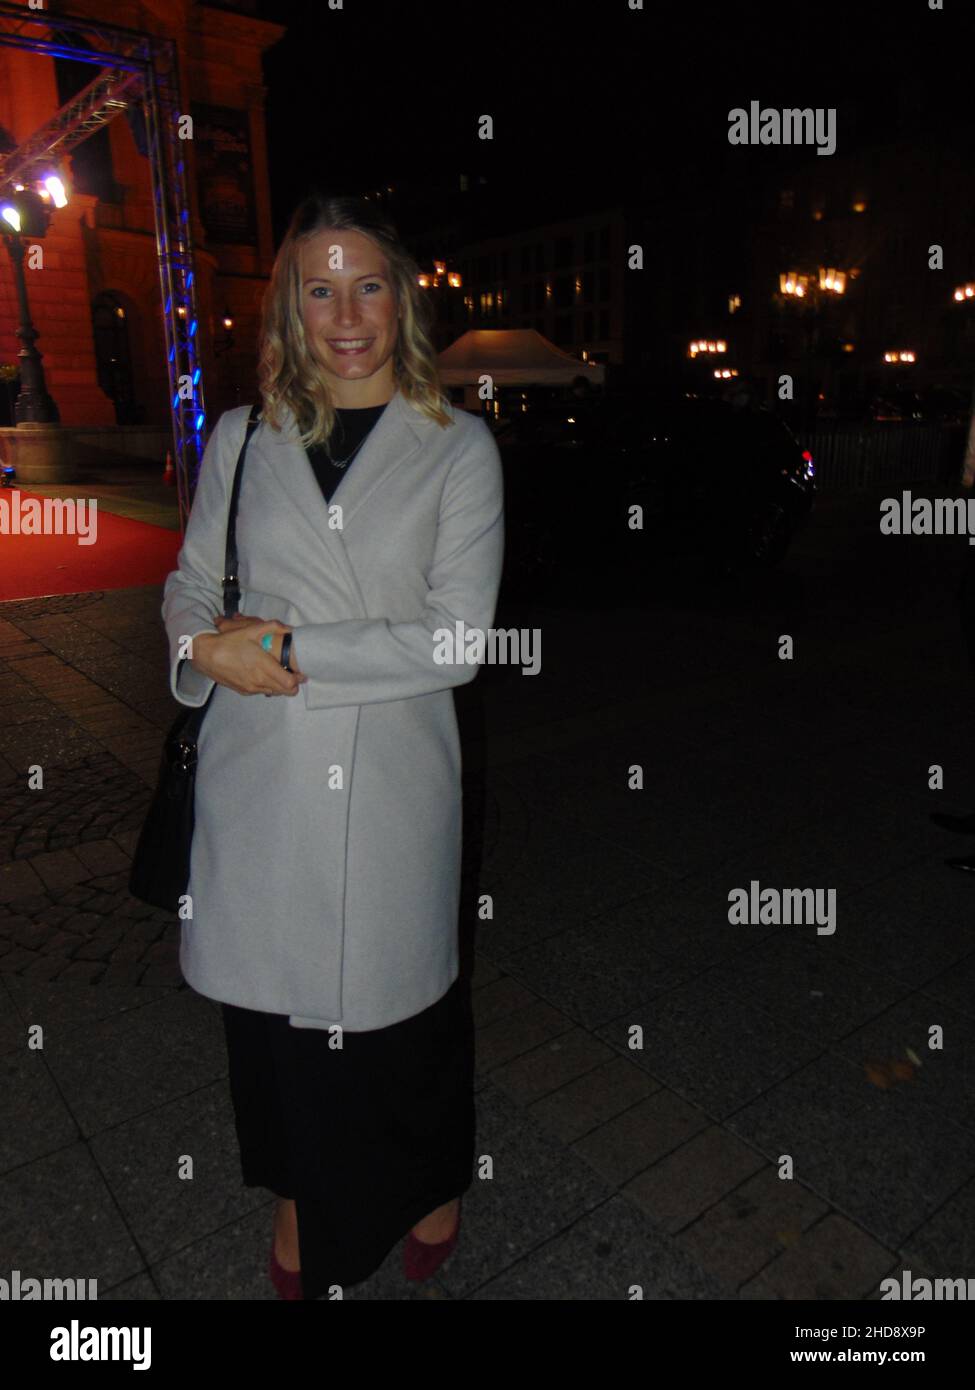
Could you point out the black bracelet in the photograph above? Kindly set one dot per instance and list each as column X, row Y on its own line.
column 286, row 651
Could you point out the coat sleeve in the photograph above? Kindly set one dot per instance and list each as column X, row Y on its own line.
column 193, row 593
column 368, row 660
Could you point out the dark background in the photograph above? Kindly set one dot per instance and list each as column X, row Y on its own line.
column 590, row 101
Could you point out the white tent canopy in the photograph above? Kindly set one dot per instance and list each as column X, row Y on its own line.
column 512, row 357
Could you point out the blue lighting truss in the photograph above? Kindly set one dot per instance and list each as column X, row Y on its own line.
column 138, row 75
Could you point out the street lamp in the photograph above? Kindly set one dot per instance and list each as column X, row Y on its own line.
column 27, row 214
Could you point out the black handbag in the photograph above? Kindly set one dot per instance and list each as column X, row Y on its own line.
column 161, row 865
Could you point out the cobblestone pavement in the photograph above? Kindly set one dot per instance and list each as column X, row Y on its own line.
column 660, row 1166
column 83, row 702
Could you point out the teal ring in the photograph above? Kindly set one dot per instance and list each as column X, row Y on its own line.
column 266, row 641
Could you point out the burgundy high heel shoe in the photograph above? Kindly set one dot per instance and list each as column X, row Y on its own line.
column 287, row 1282
column 421, row 1260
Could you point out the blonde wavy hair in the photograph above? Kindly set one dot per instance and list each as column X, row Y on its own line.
column 288, row 373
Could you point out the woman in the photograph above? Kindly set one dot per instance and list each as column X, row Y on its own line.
column 325, row 872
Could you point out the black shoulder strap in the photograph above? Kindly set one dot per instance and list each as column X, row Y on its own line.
column 231, row 587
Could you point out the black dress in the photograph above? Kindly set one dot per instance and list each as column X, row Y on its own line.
column 370, row 1138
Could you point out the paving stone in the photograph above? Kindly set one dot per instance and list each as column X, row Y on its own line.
column 737, row 1237
column 635, row 1139
column 128, row 952
column 36, row 1118
column 127, row 840
column 62, row 1007
column 888, row 1158
column 17, row 959
column 483, row 973
column 610, row 1254
column 160, row 975
column 118, row 1067
column 31, row 935
column 680, row 1187
column 561, row 878
column 100, row 946
column 498, row 999
column 37, row 902
column 51, row 743
column 550, row 1066
column 833, row 1260
column 228, row 1264
column 537, row 1190
column 60, row 869
column 83, row 971
column 803, row 982
column 712, row 1047
column 141, row 1160
column 102, row 856
column 83, row 924
column 517, row 1033
column 946, row 1076
column 161, row 953
column 46, row 967
column 947, row 1239
column 59, row 943
column 58, row 1218
column 147, row 931
column 122, row 972
column 601, row 966
column 87, row 792
column 17, row 880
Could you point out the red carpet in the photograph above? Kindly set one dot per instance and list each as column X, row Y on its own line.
column 124, row 554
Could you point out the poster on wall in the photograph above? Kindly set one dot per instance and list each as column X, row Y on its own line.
column 223, row 166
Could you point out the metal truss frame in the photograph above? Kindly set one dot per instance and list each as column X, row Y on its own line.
column 136, row 70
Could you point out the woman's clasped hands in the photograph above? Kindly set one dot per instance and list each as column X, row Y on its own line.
column 233, row 656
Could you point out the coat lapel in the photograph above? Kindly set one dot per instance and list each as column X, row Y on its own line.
column 392, row 441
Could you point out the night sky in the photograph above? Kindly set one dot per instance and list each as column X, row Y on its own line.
column 590, row 101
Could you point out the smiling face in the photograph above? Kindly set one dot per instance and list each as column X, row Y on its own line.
column 351, row 316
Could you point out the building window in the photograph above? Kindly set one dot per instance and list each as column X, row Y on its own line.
column 604, row 324
column 526, row 260
column 526, row 298
column 787, row 199
column 563, row 252
column 539, row 294
column 540, row 256
column 563, row 328
column 588, row 286
column 587, row 320
column 604, row 243
column 604, row 293
column 589, row 245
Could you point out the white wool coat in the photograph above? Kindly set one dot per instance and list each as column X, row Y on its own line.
column 326, row 858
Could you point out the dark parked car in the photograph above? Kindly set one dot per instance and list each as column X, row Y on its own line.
column 729, row 486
